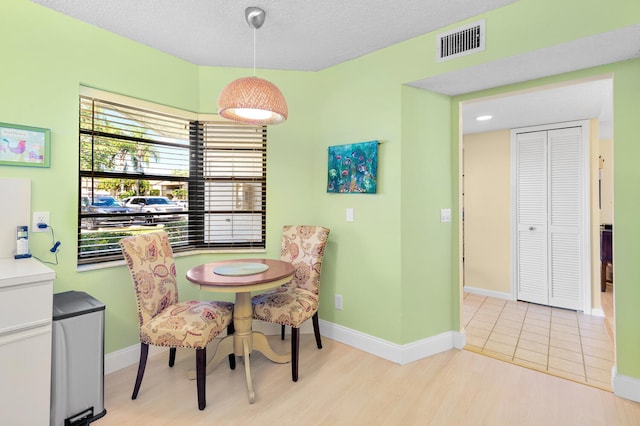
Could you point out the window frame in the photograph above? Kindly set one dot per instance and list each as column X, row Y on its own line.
column 197, row 234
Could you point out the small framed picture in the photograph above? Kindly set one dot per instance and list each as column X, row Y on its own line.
column 353, row 168
column 24, row 145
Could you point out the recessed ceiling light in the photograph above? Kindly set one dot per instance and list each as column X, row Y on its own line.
column 484, row 117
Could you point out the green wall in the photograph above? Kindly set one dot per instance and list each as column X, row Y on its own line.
column 46, row 57
column 427, row 298
column 626, row 244
column 396, row 265
column 361, row 102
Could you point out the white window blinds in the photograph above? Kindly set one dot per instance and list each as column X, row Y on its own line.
column 204, row 182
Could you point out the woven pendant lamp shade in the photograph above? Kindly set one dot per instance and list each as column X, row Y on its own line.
column 252, row 100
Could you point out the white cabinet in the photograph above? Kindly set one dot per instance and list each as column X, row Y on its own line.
column 26, row 299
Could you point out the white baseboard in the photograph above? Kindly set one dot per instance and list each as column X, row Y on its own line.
column 400, row 354
column 597, row 312
column 490, row 293
column 274, row 329
column 123, row 358
column 625, row 386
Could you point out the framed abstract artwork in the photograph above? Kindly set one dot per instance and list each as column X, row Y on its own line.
column 353, row 168
column 24, row 145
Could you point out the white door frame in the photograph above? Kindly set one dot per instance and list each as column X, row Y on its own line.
column 585, row 226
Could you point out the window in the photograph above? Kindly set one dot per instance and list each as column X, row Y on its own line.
column 144, row 169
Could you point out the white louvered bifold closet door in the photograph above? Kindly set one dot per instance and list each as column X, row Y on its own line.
column 531, row 217
column 565, row 217
column 549, row 217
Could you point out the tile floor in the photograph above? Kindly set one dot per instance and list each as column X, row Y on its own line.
column 561, row 342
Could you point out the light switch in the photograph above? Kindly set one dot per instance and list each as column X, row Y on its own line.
column 445, row 215
column 349, row 214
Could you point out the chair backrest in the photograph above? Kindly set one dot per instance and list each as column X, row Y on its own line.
column 153, row 271
column 303, row 246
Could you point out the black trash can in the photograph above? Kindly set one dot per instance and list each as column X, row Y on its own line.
column 77, row 361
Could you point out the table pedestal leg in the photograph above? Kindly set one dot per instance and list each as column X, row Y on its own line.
column 243, row 337
column 243, row 342
column 247, row 372
column 261, row 344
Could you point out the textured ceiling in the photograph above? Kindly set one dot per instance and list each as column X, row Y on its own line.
column 305, row 35
column 308, row 35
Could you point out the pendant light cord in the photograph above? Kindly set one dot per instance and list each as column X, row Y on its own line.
column 254, row 52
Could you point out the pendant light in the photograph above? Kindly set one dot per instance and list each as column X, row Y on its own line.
column 253, row 100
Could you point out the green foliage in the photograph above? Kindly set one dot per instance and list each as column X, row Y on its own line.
column 104, row 240
column 177, row 230
column 124, row 187
column 112, row 153
column 107, row 241
column 180, row 193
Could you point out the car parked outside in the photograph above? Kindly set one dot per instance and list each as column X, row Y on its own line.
column 115, row 213
column 160, row 209
column 182, row 203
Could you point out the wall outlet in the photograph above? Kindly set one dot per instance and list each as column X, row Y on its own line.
column 338, row 302
column 40, row 218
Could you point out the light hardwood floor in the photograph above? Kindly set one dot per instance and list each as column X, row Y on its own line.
column 340, row 385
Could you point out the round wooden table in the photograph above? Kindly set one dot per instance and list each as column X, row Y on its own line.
column 242, row 276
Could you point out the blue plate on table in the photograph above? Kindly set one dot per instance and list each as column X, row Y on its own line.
column 239, row 269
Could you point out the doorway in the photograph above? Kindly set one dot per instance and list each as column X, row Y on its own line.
column 487, row 277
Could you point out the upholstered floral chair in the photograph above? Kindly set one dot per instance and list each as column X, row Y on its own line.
column 297, row 301
column 163, row 320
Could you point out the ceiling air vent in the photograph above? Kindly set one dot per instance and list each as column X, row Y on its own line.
column 460, row 41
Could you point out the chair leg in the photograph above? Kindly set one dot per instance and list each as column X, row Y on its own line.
column 316, row 330
column 232, row 358
column 201, row 376
column 282, row 332
column 295, row 352
column 172, row 356
column 144, row 352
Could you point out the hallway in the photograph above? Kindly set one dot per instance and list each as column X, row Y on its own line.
column 560, row 342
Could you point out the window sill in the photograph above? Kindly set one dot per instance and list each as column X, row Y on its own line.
column 116, row 263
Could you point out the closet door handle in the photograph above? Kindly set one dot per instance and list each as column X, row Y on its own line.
column 532, row 228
